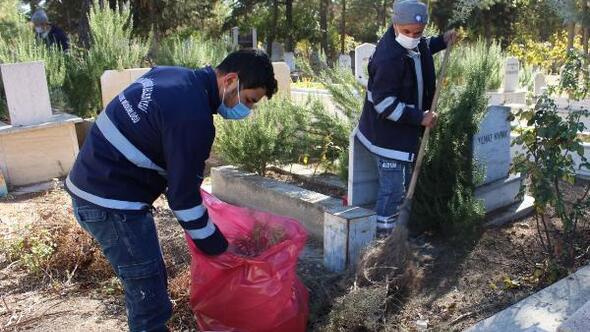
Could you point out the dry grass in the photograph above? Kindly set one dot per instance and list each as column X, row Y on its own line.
column 182, row 316
column 53, row 246
column 385, row 274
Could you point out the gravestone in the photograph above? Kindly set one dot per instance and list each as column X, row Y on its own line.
column 540, row 83
column 363, row 180
column 362, row 56
column 491, row 144
column 283, row 77
column 511, row 71
column 277, row 52
column 345, row 61
column 112, row 82
column 27, row 95
column 235, row 36
column 491, row 153
column 290, row 60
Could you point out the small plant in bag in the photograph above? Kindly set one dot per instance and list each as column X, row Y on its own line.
column 262, row 238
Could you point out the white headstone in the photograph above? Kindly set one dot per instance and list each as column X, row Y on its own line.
column 511, row 71
column 363, row 179
column 112, row 82
column 290, row 60
column 283, row 77
column 235, row 34
column 491, row 144
column 27, row 95
column 277, row 52
column 362, row 55
column 345, row 61
column 254, row 38
column 540, row 83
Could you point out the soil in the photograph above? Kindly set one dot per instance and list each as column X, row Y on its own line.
column 460, row 283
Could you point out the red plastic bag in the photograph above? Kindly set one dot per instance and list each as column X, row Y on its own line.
column 234, row 293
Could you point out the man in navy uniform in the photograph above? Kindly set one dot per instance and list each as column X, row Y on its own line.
column 50, row 34
column 399, row 94
column 154, row 138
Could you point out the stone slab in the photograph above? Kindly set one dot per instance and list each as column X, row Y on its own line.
column 540, row 83
column 345, row 61
column 27, row 95
column 578, row 322
column 283, row 77
column 495, row 98
column 545, row 310
column 302, row 96
column 37, row 153
column 491, row 144
column 112, row 82
column 511, row 72
column 511, row 213
column 346, row 234
column 515, row 97
column 278, row 52
column 248, row 189
column 363, row 179
column 500, row 193
column 56, row 120
column 290, row 60
column 362, row 55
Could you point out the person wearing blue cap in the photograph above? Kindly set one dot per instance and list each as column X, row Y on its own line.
column 400, row 90
column 50, row 34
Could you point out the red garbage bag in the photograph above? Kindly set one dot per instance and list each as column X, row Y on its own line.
column 230, row 292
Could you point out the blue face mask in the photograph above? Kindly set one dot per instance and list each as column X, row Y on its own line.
column 237, row 112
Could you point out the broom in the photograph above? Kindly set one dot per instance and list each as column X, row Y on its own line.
column 390, row 260
column 406, row 208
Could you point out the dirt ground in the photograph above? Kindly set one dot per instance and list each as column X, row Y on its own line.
column 460, row 284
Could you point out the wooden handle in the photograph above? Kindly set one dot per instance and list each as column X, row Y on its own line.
column 426, row 135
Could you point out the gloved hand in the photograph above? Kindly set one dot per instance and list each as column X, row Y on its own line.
column 215, row 244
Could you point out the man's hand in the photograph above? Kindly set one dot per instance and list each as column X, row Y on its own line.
column 429, row 119
column 450, row 37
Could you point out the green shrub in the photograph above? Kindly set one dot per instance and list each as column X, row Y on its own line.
column 112, row 47
column 470, row 55
column 273, row 134
column 191, row 52
column 444, row 199
column 348, row 96
column 328, row 138
column 549, row 143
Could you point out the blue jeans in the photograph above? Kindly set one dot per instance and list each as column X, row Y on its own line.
column 394, row 177
column 130, row 243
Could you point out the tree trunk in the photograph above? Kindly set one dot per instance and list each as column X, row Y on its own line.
column 289, row 15
column 343, row 27
column 273, row 29
column 571, row 34
column 34, row 4
column 84, row 27
column 384, row 17
column 324, row 9
column 585, row 26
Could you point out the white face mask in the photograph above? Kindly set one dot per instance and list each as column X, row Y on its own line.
column 407, row 42
column 39, row 29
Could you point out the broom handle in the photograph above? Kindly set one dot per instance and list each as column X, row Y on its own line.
column 426, row 135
